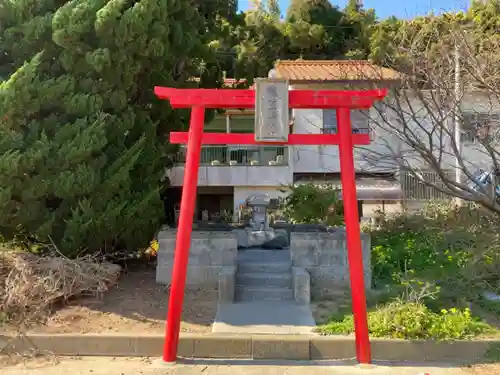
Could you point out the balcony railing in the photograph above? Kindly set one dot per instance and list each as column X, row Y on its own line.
column 333, row 130
column 235, row 155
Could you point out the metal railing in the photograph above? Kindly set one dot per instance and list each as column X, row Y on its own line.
column 414, row 189
column 235, row 155
column 333, row 130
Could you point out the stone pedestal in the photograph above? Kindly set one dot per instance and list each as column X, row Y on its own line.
column 269, row 239
column 324, row 256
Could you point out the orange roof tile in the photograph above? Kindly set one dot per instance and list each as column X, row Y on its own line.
column 333, row 70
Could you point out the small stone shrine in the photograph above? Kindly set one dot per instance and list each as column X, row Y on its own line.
column 313, row 255
column 258, row 204
column 259, row 234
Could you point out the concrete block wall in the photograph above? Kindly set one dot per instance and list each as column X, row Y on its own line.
column 324, row 256
column 301, row 285
column 227, row 284
column 211, row 253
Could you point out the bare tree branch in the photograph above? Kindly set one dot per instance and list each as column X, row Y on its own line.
column 415, row 126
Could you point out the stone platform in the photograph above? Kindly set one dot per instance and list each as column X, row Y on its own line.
column 211, row 253
column 317, row 262
column 324, row 257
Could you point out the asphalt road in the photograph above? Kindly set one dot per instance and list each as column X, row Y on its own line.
column 146, row 366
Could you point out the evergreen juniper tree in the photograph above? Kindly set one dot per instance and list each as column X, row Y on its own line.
column 25, row 27
column 82, row 137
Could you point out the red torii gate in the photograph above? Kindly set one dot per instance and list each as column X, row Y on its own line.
column 200, row 99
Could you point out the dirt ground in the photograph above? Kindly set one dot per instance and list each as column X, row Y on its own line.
column 484, row 369
column 136, row 304
column 148, row 366
column 324, row 308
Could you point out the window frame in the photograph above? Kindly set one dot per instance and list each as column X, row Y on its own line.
column 328, row 128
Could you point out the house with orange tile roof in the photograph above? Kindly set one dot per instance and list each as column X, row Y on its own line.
column 229, row 174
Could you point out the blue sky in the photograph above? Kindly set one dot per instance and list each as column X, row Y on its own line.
column 386, row 8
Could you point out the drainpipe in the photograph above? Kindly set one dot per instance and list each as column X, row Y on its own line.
column 457, row 127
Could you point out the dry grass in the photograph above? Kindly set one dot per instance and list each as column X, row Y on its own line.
column 57, row 295
column 30, row 284
column 136, row 305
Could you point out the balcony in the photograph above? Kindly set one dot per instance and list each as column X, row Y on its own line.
column 236, row 165
column 239, row 156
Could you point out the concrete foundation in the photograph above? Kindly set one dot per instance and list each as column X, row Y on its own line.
column 227, row 284
column 301, row 285
column 211, row 252
column 324, row 256
column 318, row 262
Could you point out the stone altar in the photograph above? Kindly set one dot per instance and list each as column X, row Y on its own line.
column 317, row 254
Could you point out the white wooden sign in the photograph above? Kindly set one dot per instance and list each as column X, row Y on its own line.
column 271, row 110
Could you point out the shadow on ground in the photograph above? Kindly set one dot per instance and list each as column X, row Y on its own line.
column 335, row 363
column 136, row 304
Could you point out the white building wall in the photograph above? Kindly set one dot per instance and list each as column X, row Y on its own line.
column 386, row 146
column 325, row 159
column 236, row 175
column 473, row 154
column 379, row 156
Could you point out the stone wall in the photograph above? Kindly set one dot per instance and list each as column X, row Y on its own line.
column 211, row 252
column 324, row 256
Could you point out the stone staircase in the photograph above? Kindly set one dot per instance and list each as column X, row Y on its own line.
column 264, row 275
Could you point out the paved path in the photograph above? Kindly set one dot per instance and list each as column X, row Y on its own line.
column 138, row 366
column 278, row 317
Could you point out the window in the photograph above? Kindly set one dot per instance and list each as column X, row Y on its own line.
column 478, row 126
column 360, row 120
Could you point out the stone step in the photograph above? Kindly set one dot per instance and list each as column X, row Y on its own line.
column 263, row 267
column 253, row 293
column 264, row 256
column 283, row 280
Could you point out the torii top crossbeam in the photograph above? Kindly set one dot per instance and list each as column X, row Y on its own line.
column 218, row 98
column 200, row 99
column 244, row 99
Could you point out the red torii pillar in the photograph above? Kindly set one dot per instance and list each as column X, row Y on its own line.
column 199, row 100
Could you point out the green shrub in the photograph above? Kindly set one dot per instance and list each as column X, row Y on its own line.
column 490, row 306
column 423, row 250
column 458, row 248
column 412, row 320
column 313, row 204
